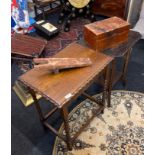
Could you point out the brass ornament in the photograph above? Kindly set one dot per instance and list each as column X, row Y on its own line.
column 79, row 3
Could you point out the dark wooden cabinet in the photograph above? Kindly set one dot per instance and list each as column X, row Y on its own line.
column 109, row 7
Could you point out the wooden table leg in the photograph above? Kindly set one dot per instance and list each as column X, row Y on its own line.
column 125, row 66
column 110, row 81
column 38, row 108
column 105, row 86
column 64, row 113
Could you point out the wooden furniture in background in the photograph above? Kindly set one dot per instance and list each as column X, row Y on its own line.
column 42, row 4
column 124, row 51
column 109, row 8
column 106, row 33
column 121, row 51
column 61, row 89
column 26, row 46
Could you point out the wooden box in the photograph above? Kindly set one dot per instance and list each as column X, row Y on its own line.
column 106, row 33
column 26, row 46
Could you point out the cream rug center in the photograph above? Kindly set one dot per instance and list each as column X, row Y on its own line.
column 119, row 131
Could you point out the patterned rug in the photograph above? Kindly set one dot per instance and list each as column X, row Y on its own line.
column 119, row 131
column 65, row 38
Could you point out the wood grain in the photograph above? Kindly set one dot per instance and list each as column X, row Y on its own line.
column 109, row 8
column 106, row 33
column 26, row 45
column 68, row 84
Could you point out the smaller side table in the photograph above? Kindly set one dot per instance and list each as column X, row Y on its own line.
column 61, row 89
column 123, row 50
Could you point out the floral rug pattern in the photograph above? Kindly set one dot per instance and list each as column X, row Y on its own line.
column 119, row 131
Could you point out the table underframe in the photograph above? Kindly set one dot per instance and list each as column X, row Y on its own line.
column 115, row 75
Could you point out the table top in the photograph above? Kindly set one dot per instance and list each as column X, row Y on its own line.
column 64, row 87
column 121, row 49
column 24, row 45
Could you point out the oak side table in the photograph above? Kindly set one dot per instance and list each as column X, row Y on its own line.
column 121, row 51
column 61, row 89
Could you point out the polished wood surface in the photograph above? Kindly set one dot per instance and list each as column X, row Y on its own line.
column 107, row 33
column 109, row 7
column 65, row 86
column 24, row 45
column 122, row 49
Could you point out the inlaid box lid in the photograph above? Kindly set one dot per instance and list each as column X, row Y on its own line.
column 107, row 27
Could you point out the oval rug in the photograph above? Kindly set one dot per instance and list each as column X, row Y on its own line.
column 119, row 131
